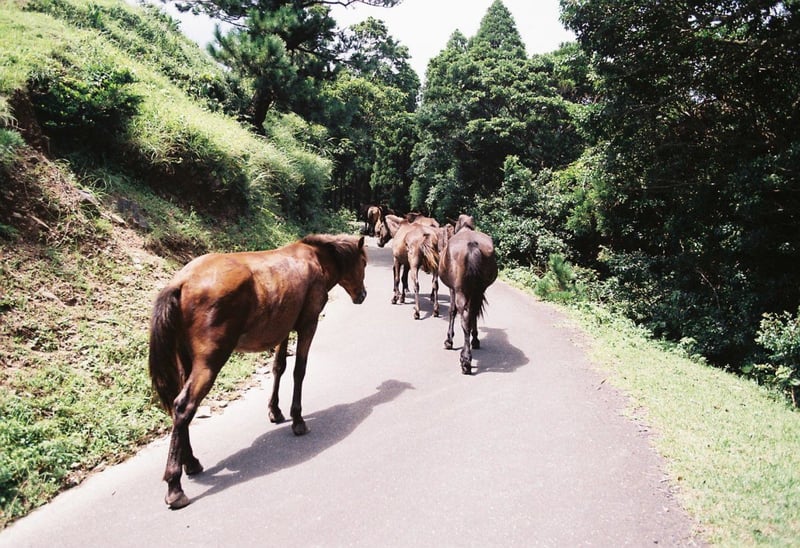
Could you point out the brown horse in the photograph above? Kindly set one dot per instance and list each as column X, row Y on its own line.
column 249, row 302
column 420, row 219
column 468, row 266
column 373, row 215
column 415, row 246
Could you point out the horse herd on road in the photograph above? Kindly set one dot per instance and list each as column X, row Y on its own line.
column 251, row 301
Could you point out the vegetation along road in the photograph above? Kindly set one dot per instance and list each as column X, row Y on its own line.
column 403, row 448
column 645, row 175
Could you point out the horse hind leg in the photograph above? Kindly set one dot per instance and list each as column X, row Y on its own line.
column 415, row 283
column 475, row 305
column 180, row 449
column 476, row 344
column 448, row 342
column 466, row 350
column 278, row 367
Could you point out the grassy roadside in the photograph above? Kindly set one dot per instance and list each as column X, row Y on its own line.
column 732, row 447
column 93, row 222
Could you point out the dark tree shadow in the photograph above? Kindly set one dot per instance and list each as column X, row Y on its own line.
column 279, row 449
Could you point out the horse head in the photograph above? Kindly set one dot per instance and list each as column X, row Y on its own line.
column 353, row 265
column 465, row 221
column 386, row 228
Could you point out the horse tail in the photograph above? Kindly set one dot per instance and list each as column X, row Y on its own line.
column 165, row 327
column 429, row 251
column 474, row 283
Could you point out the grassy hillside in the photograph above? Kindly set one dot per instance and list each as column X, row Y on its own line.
column 114, row 170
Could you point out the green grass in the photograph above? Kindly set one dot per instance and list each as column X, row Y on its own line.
column 74, row 312
column 732, row 447
column 76, row 286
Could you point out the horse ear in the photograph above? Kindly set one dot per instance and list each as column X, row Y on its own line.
column 361, row 242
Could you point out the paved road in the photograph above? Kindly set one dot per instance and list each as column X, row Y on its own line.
column 403, row 450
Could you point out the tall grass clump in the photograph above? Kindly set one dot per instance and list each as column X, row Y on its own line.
column 10, row 139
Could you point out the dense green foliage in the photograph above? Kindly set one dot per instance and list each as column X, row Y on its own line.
column 483, row 101
column 697, row 138
column 369, row 101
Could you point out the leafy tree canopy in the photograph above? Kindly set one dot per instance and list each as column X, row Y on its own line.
column 700, row 128
column 286, row 48
column 484, row 100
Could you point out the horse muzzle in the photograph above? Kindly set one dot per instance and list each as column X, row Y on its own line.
column 358, row 299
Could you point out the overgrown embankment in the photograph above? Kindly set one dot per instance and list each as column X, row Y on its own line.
column 113, row 172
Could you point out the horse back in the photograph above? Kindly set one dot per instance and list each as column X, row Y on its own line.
column 255, row 298
column 417, row 241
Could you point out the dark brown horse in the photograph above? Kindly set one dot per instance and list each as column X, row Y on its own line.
column 249, row 302
column 468, row 266
column 373, row 215
column 415, row 246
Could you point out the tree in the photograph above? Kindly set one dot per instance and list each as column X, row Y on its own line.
column 287, row 48
column 370, row 52
column 700, row 198
column 485, row 100
column 357, row 108
column 368, row 107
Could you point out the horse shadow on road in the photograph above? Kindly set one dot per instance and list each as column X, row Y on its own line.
column 496, row 354
column 279, row 449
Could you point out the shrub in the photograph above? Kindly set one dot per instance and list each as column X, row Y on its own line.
column 10, row 139
column 560, row 282
column 75, row 102
column 779, row 334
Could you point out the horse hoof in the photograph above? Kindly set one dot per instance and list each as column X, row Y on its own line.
column 416, row 315
column 300, row 428
column 435, row 313
column 276, row 417
column 193, row 468
column 448, row 345
column 466, row 369
column 394, row 300
column 476, row 344
column 177, row 501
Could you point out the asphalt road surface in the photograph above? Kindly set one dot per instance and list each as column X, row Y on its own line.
column 403, row 450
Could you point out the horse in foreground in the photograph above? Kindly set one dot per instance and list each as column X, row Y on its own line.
column 415, row 246
column 468, row 267
column 248, row 302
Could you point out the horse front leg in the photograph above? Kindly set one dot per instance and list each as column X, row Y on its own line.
column 448, row 342
column 435, row 294
column 396, row 296
column 304, row 338
column 278, row 367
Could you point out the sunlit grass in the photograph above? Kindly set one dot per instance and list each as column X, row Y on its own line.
column 732, row 447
